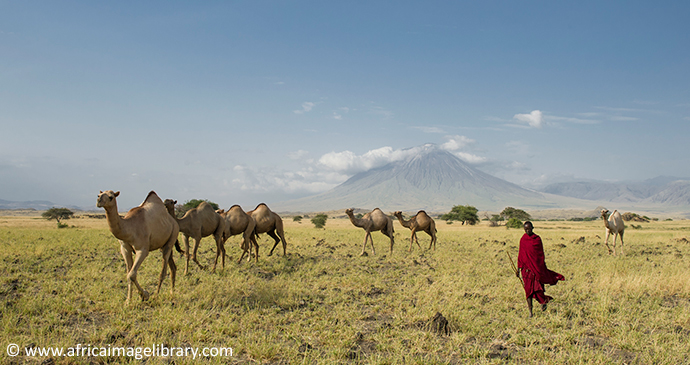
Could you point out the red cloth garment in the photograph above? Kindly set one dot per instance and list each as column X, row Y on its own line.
column 534, row 271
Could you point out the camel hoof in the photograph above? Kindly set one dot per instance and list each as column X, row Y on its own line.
column 363, row 254
column 145, row 296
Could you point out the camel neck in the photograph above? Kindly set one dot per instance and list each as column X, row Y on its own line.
column 355, row 221
column 114, row 221
column 403, row 222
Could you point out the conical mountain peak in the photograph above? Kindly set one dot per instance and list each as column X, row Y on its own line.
column 427, row 177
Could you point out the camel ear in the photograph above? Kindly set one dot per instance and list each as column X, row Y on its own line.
column 175, row 202
column 101, row 192
column 117, row 193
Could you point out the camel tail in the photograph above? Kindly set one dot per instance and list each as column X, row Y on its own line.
column 177, row 246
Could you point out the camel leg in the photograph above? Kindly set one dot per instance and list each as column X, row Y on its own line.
column 252, row 241
column 414, row 235
column 621, row 234
column 126, row 252
column 606, row 242
column 433, row 240
column 390, row 235
column 173, row 272
column 244, row 251
column 275, row 237
column 615, row 235
column 166, row 251
column 364, row 248
column 132, row 275
column 220, row 250
column 197, row 241
column 186, row 253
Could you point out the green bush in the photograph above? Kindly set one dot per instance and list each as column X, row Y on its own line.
column 514, row 223
column 297, row 218
column 319, row 220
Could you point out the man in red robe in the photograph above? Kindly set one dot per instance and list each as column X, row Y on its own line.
column 533, row 267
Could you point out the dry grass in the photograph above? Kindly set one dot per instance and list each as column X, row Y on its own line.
column 323, row 303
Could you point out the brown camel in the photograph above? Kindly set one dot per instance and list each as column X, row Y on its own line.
column 238, row 221
column 268, row 222
column 420, row 222
column 614, row 224
column 143, row 229
column 373, row 221
column 197, row 223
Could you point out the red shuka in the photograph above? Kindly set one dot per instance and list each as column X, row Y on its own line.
column 534, row 271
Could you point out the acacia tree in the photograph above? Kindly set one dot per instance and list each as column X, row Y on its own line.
column 57, row 214
column 510, row 212
column 191, row 204
column 462, row 213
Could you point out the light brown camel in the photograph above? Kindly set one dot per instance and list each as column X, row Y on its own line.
column 198, row 223
column 420, row 222
column 373, row 221
column 614, row 224
column 268, row 222
column 143, row 229
column 238, row 221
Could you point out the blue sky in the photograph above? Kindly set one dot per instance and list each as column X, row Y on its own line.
column 242, row 102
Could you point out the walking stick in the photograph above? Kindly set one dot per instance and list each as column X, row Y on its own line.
column 515, row 270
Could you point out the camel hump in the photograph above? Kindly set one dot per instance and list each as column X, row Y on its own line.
column 152, row 198
column 261, row 204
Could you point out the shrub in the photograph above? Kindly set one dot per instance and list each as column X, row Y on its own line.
column 319, row 220
column 514, row 223
column 297, row 218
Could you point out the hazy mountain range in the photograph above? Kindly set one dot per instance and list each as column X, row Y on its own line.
column 660, row 190
column 435, row 180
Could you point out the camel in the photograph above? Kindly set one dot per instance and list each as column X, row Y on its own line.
column 373, row 221
column 420, row 222
column 268, row 222
column 197, row 223
column 236, row 222
column 614, row 224
column 143, row 229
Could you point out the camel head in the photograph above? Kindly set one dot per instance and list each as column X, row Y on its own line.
column 220, row 211
column 349, row 211
column 107, row 198
column 397, row 213
column 605, row 213
column 170, row 206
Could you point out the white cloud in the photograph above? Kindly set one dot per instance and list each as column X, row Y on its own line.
column 429, row 129
column 454, row 143
column 296, row 155
column 470, row 158
column 534, row 118
column 571, row 120
column 270, row 179
column 377, row 110
column 619, row 118
column 306, row 107
column 518, row 147
column 347, row 162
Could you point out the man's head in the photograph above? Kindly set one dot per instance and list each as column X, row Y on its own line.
column 528, row 227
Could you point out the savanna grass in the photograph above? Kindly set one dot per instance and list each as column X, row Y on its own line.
column 325, row 304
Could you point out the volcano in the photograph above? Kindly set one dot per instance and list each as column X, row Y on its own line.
column 432, row 179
